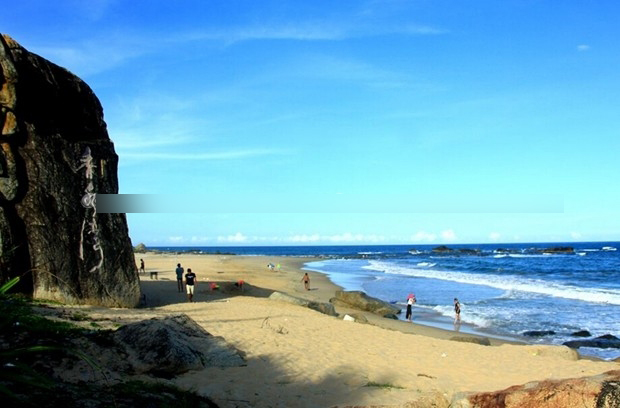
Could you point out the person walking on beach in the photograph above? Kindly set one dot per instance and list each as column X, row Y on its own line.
column 142, row 270
column 179, row 272
column 190, row 281
column 410, row 301
column 306, row 281
column 457, row 311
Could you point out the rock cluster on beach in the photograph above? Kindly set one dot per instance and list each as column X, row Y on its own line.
column 359, row 300
column 601, row 391
column 55, row 157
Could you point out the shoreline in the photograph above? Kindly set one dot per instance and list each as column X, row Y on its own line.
column 426, row 323
column 435, row 320
column 299, row 357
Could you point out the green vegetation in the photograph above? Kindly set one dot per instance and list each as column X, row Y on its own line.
column 31, row 344
column 382, row 385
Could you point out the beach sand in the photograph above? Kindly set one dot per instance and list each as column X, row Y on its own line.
column 297, row 357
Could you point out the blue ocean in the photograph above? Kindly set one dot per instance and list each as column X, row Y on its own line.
column 504, row 289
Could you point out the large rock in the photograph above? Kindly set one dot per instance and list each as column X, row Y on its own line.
column 601, row 391
column 174, row 345
column 55, row 156
column 325, row 308
column 361, row 301
column 606, row 341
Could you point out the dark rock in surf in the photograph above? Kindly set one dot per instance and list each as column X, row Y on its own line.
column 605, row 341
column 558, row 250
column 55, row 156
column 581, row 333
column 538, row 333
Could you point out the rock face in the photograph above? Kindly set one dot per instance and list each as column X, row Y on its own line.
column 359, row 300
column 601, row 391
column 55, row 156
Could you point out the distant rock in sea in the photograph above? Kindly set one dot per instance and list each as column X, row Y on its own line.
column 55, row 157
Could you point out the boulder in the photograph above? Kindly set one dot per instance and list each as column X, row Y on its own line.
column 55, row 156
column 601, row 391
column 174, row 345
column 606, row 341
column 581, row 333
column 325, row 308
column 359, row 300
column 538, row 333
column 558, row 250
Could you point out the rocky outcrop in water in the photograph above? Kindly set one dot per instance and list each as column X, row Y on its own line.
column 55, row 156
column 606, row 341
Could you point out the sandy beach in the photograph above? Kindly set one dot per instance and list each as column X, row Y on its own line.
column 299, row 357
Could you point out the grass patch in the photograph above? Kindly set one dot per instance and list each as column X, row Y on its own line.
column 383, row 385
column 17, row 316
column 79, row 316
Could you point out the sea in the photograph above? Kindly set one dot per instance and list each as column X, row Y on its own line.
column 504, row 290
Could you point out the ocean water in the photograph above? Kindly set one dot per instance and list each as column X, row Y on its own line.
column 504, row 289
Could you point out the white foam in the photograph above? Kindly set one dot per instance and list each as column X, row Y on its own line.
column 469, row 317
column 505, row 282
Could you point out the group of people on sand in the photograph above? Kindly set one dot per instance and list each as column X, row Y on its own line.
column 190, row 281
column 411, row 300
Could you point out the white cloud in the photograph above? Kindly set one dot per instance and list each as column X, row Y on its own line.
column 423, row 236
column 346, row 237
column 495, row 236
column 304, row 238
column 336, row 238
column 196, row 239
column 176, row 239
column 448, row 235
column 238, row 237
column 575, row 235
column 583, row 47
column 312, row 30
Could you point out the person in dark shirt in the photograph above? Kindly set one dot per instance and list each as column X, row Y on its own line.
column 179, row 272
column 190, row 283
column 457, row 311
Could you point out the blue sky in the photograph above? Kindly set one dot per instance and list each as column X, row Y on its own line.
column 351, row 122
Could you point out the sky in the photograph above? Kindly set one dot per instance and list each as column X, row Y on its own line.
column 351, row 122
